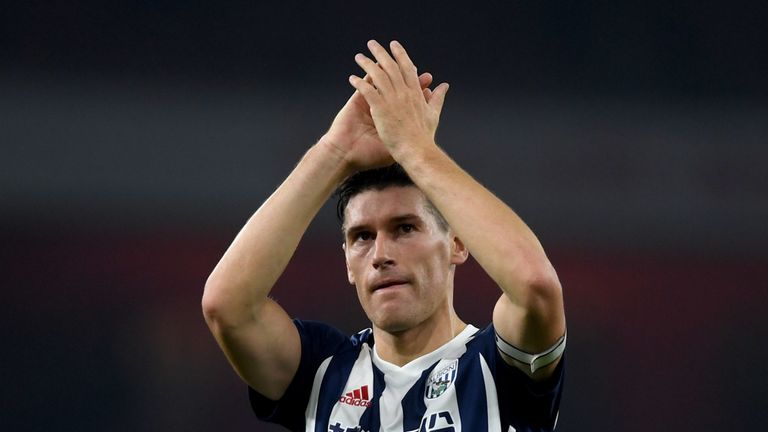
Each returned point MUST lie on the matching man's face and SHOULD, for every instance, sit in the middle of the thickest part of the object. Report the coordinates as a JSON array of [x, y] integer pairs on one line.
[[399, 259]]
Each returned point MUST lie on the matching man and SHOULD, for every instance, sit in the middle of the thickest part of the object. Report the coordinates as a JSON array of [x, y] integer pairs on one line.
[[406, 228]]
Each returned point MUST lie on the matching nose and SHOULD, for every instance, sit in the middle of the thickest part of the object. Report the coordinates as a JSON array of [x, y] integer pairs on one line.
[[382, 253]]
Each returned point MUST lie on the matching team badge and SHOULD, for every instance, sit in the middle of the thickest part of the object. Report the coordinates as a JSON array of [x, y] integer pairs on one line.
[[441, 380]]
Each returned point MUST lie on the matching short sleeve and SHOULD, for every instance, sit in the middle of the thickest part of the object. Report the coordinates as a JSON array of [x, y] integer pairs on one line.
[[526, 404], [535, 404], [318, 342]]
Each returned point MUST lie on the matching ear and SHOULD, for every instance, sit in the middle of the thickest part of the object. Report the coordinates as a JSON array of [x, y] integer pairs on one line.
[[346, 262], [459, 252]]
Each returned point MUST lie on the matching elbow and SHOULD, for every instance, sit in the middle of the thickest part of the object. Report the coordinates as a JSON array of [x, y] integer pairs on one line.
[[542, 289], [212, 304], [543, 281], [220, 308], [226, 306]]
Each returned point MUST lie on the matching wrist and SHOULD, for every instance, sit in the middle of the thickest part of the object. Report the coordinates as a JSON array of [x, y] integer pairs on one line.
[[328, 148], [414, 150]]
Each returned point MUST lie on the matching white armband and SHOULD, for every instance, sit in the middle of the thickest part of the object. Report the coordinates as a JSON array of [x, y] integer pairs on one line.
[[535, 361]]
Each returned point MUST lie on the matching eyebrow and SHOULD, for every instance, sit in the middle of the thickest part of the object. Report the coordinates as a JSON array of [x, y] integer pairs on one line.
[[394, 220]]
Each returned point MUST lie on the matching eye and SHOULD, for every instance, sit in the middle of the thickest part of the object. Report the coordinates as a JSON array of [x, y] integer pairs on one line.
[[406, 228], [362, 236]]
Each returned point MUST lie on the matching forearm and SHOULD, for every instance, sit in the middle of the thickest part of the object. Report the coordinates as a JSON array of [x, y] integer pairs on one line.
[[254, 261], [498, 239]]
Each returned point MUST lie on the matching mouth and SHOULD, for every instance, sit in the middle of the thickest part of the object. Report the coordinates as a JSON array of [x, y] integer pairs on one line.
[[388, 283]]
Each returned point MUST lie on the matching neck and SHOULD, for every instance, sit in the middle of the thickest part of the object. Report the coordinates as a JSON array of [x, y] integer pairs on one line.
[[402, 347]]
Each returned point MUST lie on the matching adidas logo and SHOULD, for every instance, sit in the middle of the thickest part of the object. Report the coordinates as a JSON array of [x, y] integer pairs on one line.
[[357, 397]]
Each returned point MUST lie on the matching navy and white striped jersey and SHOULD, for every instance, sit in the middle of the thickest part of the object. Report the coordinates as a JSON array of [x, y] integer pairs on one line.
[[342, 385]]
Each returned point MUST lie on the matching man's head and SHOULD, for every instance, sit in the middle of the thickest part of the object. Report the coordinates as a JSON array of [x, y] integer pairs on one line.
[[400, 252]]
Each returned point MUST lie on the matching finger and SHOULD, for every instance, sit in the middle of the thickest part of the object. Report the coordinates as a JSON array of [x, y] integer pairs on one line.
[[386, 62], [366, 89], [425, 80], [378, 76], [438, 97], [427, 94], [407, 68]]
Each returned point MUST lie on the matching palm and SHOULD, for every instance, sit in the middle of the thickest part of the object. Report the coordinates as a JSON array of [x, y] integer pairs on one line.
[[355, 134]]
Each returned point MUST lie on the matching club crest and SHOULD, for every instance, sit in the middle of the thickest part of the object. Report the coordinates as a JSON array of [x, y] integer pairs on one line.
[[440, 380]]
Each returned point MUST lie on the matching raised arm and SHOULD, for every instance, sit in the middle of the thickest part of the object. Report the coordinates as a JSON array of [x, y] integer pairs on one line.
[[256, 334], [529, 314]]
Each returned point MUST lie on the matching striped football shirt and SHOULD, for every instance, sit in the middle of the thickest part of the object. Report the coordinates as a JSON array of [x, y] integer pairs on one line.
[[342, 385]]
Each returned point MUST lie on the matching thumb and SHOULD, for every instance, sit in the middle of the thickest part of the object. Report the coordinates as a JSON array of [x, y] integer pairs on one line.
[[438, 97]]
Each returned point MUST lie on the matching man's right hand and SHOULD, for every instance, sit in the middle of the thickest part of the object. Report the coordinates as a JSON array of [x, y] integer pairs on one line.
[[353, 135]]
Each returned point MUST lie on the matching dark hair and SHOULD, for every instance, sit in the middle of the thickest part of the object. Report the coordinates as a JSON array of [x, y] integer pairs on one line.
[[378, 179]]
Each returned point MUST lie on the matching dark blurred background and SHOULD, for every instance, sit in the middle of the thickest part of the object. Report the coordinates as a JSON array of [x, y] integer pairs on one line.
[[136, 137]]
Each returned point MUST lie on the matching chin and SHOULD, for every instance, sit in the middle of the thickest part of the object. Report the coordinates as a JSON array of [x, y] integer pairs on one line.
[[394, 323]]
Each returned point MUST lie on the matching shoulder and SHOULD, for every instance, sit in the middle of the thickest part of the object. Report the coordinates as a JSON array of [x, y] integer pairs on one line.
[[483, 341], [521, 399], [325, 340], [320, 343]]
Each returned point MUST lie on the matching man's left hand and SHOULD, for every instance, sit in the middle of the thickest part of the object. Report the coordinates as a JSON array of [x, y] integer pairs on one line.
[[405, 116]]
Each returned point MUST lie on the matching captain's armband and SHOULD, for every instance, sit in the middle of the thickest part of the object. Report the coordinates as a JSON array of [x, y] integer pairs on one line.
[[535, 361]]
